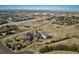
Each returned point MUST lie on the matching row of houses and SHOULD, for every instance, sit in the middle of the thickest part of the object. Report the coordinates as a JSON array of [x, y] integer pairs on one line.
[[14, 18]]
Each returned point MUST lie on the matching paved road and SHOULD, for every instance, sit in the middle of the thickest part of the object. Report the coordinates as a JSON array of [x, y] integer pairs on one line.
[[16, 23]]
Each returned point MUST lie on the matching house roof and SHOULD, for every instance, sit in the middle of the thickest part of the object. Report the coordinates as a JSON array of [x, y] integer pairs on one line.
[[4, 29]]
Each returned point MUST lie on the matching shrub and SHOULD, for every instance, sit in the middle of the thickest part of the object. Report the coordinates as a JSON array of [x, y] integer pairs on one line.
[[58, 47]]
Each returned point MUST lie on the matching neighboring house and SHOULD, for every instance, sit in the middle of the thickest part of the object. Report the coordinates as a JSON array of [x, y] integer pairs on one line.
[[3, 22], [45, 36], [4, 29]]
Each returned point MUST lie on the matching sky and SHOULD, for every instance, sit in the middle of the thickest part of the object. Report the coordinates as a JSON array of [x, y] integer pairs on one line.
[[41, 7]]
